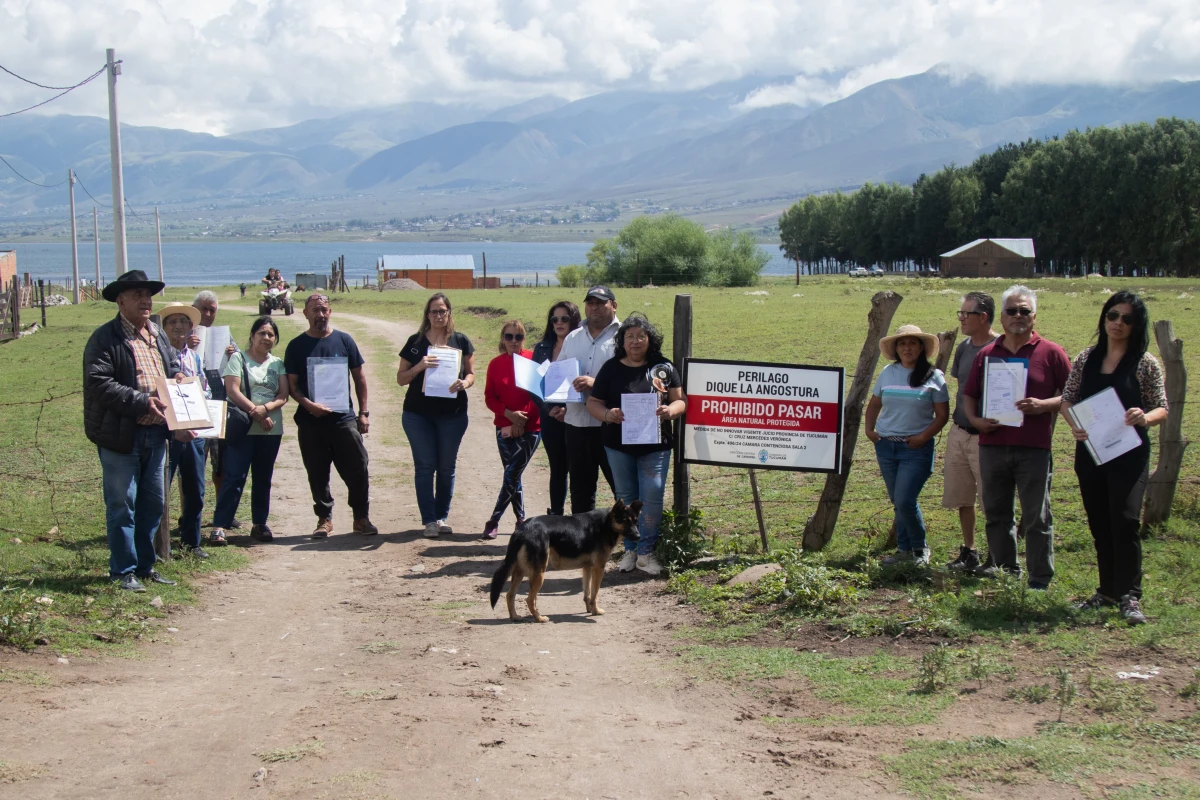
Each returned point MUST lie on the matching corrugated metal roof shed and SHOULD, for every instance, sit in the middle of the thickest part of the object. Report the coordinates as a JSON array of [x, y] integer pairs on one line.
[[431, 261], [1022, 247]]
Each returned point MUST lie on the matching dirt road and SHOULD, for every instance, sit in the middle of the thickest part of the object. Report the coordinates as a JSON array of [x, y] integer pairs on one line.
[[376, 665]]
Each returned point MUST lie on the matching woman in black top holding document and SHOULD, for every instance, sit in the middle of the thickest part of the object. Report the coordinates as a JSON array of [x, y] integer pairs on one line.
[[636, 395], [437, 365], [1116, 373]]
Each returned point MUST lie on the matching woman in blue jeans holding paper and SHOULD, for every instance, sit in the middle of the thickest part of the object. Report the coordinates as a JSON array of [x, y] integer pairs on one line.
[[256, 382], [639, 447], [909, 407], [435, 424]]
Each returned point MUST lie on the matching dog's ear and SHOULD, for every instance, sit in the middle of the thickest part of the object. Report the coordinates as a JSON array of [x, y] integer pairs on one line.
[[619, 506], [635, 508]]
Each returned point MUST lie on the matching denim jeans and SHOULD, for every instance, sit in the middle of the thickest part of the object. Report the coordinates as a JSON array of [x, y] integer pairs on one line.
[[254, 456], [554, 442], [515, 454], [434, 439], [188, 459], [133, 500], [642, 478], [905, 471]]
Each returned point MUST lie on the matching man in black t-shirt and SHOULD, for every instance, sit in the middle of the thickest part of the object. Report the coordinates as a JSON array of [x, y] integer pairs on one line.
[[325, 436]]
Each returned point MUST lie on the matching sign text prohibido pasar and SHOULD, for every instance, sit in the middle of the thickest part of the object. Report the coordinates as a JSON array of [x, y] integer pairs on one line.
[[763, 416]]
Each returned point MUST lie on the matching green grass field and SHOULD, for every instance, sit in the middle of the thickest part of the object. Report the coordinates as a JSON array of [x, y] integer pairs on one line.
[[49, 479]]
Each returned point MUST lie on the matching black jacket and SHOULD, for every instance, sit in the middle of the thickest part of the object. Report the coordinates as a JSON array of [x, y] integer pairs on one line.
[[112, 403]]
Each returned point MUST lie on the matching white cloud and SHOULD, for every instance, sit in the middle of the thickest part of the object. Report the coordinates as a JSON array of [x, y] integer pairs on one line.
[[224, 65]]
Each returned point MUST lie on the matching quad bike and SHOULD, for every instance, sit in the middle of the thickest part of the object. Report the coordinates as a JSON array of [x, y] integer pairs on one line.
[[275, 299]]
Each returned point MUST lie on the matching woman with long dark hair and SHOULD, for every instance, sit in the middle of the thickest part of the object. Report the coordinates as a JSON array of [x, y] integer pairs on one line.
[[435, 425], [263, 397], [639, 470], [909, 406], [1112, 492], [563, 318]]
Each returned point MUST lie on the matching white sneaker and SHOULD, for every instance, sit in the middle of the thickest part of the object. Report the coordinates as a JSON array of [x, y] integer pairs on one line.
[[628, 561], [649, 564], [431, 530], [442, 527]]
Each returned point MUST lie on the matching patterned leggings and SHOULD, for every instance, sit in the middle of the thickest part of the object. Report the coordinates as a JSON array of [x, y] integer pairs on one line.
[[515, 454]]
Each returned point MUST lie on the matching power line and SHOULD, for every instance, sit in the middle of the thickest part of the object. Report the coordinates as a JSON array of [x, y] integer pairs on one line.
[[84, 82], [34, 83], [22, 177], [89, 194]]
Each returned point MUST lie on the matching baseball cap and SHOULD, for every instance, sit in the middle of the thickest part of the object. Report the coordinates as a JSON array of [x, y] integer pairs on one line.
[[601, 293]]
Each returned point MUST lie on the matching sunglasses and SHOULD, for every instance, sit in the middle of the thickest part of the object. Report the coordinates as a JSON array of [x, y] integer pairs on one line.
[[1024, 312], [962, 315], [556, 320], [1113, 316], [514, 337], [438, 312]]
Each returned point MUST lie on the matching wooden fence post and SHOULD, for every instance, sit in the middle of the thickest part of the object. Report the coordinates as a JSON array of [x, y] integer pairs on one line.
[[681, 345], [42, 296], [1160, 491], [819, 529]]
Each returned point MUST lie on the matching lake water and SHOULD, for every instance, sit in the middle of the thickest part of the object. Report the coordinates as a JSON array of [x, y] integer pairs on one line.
[[217, 263]]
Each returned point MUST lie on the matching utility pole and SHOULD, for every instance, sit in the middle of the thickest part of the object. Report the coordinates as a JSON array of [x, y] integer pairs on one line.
[[158, 237], [96, 242], [74, 240], [118, 178]]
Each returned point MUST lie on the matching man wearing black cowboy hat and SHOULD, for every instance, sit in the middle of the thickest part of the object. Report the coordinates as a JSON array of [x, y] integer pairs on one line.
[[124, 418]]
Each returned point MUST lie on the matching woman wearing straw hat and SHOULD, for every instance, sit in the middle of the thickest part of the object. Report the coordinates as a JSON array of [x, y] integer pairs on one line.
[[909, 406], [186, 452]]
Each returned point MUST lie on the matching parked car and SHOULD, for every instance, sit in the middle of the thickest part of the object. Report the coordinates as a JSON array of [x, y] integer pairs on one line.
[[875, 271], [858, 272]]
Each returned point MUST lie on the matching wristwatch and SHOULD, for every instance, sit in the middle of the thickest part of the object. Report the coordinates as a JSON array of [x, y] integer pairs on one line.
[[364, 413]]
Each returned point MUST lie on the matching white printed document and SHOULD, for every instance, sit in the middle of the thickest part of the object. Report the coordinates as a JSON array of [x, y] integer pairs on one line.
[[559, 378], [439, 379], [213, 344], [641, 423], [528, 375], [1103, 417], [217, 413], [329, 382], [1003, 386]]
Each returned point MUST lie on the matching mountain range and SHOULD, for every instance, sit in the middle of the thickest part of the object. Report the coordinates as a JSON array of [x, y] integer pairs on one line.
[[611, 145]]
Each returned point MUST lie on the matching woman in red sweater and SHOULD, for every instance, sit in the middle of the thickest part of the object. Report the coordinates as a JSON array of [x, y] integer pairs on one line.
[[518, 429]]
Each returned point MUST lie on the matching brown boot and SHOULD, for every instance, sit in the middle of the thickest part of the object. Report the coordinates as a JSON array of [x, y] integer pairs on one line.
[[324, 528], [363, 525]]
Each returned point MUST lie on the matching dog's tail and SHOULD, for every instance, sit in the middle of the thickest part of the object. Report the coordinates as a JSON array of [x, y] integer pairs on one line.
[[505, 569]]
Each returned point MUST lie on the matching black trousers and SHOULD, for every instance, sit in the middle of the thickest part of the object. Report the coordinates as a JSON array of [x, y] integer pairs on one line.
[[1112, 499], [586, 459], [341, 445], [554, 441]]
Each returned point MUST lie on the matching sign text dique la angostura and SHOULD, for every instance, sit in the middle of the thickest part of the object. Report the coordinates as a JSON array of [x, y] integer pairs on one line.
[[765, 416]]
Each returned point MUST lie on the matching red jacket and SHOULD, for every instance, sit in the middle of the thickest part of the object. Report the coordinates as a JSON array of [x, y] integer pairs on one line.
[[501, 393]]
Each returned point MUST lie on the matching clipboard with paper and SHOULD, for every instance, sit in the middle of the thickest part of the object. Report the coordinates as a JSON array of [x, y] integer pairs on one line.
[[187, 407], [1003, 385], [551, 381], [1103, 417]]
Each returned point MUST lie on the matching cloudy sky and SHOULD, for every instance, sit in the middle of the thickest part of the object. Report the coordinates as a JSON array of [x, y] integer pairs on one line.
[[228, 65]]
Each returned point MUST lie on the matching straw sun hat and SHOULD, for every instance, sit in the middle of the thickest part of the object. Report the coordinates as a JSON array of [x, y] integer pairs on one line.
[[171, 309], [887, 345]]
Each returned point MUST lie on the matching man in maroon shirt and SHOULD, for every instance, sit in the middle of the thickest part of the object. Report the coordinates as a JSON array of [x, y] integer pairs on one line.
[[1018, 458]]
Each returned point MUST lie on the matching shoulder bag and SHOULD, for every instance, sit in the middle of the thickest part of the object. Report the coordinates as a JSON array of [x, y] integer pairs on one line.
[[237, 421]]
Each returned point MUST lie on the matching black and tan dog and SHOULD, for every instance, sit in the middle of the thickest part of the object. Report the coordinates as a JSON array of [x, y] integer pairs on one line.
[[580, 541]]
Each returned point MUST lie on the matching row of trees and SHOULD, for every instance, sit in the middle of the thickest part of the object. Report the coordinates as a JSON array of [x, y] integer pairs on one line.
[[1109, 200], [669, 249]]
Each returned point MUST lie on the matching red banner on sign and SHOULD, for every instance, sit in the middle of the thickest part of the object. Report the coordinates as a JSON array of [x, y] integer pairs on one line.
[[783, 415]]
